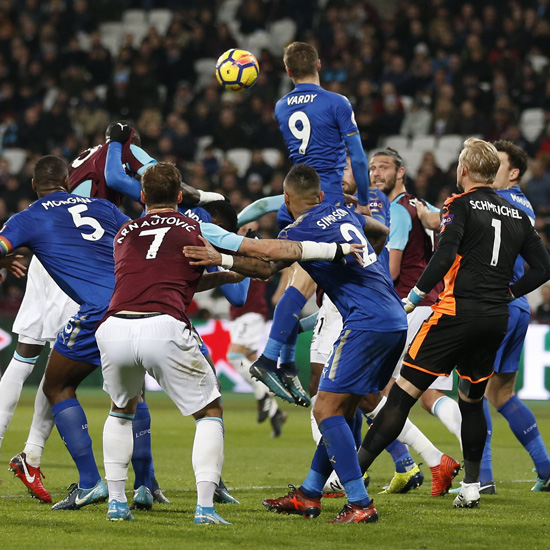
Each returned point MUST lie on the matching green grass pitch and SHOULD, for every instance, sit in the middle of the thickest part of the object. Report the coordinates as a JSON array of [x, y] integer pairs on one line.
[[256, 467]]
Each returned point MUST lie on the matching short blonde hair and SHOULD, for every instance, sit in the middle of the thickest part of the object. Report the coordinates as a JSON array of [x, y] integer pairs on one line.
[[481, 159]]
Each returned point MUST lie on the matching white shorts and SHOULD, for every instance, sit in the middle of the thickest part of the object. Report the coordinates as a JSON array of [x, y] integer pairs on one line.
[[248, 330], [415, 320], [45, 307], [326, 331], [165, 348]]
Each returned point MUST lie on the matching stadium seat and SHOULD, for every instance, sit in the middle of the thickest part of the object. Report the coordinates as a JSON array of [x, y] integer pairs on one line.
[[531, 123], [138, 31], [451, 142], [112, 43], [160, 19], [241, 158], [202, 143], [412, 159], [396, 142], [205, 69], [272, 156], [281, 33], [256, 42], [227, 12], [134, 17], [423, 143], [16, 158], [445, 157]]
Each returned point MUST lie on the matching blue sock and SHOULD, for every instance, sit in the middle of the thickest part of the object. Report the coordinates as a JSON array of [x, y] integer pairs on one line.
[[142, 458], [320, 470], [342, 454], [356, 425], [486, 472], [288, 352], [401, 457], [72, 425], [285, 320], [524, 425]]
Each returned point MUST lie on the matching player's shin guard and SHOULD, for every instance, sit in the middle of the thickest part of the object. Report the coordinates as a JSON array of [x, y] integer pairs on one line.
[[474, 433], [285, 319], [411, 435], [11, 385], [242, 365], [340, 446], [387, 426], [142, 458], [118, 444], [41, 427], [524, 425], [207, 458], [72, 425], [316, 434], [448, 411]]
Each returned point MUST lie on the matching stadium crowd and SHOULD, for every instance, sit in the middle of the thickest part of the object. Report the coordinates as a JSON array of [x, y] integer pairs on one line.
[[433, 68]]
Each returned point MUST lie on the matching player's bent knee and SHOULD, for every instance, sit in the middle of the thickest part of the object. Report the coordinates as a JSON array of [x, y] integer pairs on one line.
[[213, 409], [471, 392]]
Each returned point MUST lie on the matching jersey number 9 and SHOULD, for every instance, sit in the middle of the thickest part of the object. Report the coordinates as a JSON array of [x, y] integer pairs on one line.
[[302, 134]]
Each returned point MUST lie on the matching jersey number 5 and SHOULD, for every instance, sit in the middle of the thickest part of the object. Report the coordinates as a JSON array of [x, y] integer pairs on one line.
[[302, 134], [79, 221], [159, 235]]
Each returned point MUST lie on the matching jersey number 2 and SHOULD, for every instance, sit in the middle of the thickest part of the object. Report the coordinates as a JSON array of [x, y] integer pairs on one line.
[[302, 134], [347, 230], [159, 235]]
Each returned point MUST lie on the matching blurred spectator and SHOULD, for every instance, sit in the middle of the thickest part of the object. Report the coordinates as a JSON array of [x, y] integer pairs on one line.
[[538, 188], [542, 313]]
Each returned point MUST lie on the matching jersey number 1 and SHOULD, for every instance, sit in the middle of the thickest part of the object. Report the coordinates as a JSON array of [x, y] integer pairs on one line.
[[497, 224]]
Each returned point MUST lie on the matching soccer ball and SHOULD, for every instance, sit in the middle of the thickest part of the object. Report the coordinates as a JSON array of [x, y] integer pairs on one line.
[[237, 70]]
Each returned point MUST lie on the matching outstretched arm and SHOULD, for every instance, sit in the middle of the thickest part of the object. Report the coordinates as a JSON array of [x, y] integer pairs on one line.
[[218, 278], [207, 255]]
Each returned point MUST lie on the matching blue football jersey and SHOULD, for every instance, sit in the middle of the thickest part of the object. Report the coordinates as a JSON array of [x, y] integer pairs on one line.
[[379, 205], [514, 195], [195, 213], [364, 295], [314, 122], [73, 239]]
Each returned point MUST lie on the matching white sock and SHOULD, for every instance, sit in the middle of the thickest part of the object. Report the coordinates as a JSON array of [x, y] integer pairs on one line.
[[315, 432], [242, 365], [118, 446], [41, 427], [207, 458], [413, 437], [11, 385], [448, 411]]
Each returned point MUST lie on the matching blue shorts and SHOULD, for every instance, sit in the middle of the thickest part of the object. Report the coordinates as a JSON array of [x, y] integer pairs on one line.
[[509, 353], [362, 362], [76, 340], [283, 215]]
